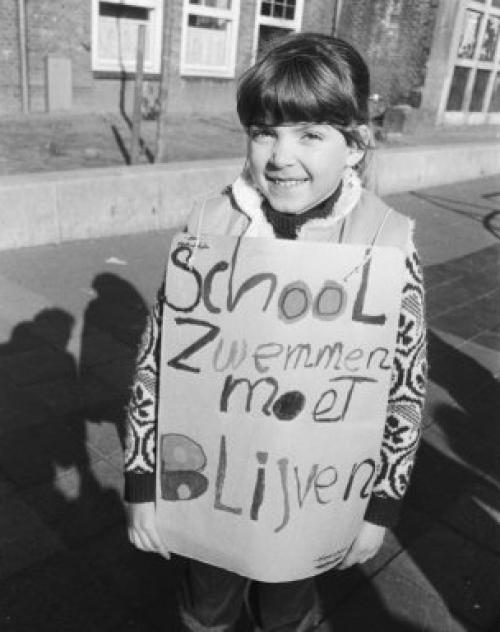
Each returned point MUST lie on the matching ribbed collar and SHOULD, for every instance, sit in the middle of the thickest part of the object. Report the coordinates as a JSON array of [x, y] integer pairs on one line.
[[287, 225]]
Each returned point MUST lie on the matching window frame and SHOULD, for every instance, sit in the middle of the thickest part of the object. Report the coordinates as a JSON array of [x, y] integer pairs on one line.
[[294, 25], [474, 64], [232, 16], [152, 64]]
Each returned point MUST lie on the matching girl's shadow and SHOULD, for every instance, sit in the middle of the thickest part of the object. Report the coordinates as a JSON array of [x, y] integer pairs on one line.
[[113, 324]]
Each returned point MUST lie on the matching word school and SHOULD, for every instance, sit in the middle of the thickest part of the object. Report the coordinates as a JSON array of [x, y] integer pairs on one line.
[[295, 299]]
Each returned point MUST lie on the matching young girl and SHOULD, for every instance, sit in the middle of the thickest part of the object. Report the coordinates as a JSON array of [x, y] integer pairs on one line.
[[304, 106]]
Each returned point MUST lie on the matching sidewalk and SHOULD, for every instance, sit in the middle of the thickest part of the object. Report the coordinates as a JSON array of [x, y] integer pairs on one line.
[[42, 142], [70, 318]]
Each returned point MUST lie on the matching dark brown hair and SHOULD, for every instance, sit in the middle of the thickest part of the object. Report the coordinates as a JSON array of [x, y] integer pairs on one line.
[[307, 77]]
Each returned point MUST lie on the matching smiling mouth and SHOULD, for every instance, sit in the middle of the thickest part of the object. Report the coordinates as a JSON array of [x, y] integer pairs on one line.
[[286, 183]]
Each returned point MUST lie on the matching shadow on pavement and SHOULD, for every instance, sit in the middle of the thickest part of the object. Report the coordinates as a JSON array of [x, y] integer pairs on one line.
[[65, 563], [113, 324]]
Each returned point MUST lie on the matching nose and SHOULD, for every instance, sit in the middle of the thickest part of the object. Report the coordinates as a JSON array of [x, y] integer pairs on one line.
[[282, 153]]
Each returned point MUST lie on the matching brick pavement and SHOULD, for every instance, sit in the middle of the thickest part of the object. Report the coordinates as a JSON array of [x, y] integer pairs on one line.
[[69, 320]]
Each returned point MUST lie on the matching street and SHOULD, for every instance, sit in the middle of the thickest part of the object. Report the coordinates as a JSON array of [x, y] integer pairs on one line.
[[71, 319]]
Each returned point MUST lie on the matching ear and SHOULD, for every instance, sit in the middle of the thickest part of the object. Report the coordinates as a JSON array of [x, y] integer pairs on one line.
[[356, 154]]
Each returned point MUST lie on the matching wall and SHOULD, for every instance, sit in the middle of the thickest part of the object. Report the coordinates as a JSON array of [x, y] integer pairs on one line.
[[395, 38], [10, 93], [62, 27], [439, 68], [192, 94], [46, 208]]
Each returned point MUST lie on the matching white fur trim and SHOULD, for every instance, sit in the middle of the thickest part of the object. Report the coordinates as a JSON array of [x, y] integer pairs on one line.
[[249, 199]]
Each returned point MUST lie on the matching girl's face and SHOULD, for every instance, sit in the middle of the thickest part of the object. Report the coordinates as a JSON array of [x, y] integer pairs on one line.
[[296, 166]]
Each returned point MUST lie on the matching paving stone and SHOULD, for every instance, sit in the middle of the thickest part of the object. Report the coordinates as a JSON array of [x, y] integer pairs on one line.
[[6, 327], [466, 321], [29, 455], [397, 601], [60, 396], [451, 437], [336, 587], [7, 488], [476, 515], [108, 476], [41, 364], [136, 622], [485, 349], [476, 272], [104, 438], [481, 281], [99, 347], [464, 574], [24, 538], [436, 397], [96, 393], [116, 459], [146, 582], [17, 338], [438, 481], [18, 409], [76, 506], [60, 595], [439, 275], [118, 374], [477, 409], [455, 369], [445, 297], [489, 339]]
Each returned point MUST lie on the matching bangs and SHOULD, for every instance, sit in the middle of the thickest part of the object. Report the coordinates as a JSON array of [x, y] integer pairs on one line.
[[294, 91]]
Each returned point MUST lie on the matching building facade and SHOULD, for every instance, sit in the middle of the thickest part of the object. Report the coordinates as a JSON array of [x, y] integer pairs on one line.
[[439, 57], [208, 44], [442, 57]]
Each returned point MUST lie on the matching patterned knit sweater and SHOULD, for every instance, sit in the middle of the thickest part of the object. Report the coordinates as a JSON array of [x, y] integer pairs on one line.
[[404, 412]]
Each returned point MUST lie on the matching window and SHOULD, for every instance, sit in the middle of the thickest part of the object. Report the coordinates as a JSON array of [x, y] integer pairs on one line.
[[114, 34], [472, 94], [209, 36], [457, 90], [468, 39], [274, 19], [495, 97]]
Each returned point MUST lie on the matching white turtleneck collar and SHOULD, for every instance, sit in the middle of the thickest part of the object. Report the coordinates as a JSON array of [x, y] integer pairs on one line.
[[249, 199]]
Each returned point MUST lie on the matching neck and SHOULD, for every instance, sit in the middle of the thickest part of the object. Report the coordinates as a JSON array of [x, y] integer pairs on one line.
[[287, 225]]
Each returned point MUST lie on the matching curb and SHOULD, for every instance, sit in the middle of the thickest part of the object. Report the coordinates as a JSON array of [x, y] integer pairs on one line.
[[52, 208]]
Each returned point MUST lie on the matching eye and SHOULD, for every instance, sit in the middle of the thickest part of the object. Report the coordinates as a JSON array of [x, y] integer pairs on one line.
[[260, 133], [312, 135]]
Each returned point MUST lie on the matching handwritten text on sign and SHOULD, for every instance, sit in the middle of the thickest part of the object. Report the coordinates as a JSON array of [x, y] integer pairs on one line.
[[275, 370]]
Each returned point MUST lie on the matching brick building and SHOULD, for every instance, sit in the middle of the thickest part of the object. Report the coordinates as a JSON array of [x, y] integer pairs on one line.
[[210, 42], [439, 56]]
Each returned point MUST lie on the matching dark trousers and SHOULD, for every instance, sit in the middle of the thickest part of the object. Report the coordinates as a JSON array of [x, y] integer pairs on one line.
[[212, 600]]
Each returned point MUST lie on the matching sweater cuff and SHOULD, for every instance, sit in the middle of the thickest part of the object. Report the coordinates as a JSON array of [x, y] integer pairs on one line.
[[383, 511], [140, 488]]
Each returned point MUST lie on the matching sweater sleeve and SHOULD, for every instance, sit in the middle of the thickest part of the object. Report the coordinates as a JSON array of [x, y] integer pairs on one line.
[[406, 400], [141, 417]]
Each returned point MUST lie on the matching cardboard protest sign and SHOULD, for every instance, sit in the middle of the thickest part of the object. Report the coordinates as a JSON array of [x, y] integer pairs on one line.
[[275, 371]]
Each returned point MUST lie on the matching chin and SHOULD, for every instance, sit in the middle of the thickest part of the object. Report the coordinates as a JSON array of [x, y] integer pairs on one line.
[[296, 207], [284, 207]]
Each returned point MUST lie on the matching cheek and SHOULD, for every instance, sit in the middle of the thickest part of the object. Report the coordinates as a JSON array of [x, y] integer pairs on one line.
[[333, 162], [257, 158]]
